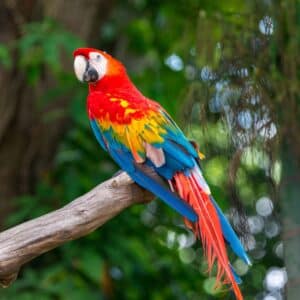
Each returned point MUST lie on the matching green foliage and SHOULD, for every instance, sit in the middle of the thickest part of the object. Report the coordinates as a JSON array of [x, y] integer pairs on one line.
[[5, 58], [41, 45]]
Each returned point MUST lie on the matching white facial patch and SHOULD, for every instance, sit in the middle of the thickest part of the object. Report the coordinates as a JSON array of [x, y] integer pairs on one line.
[[80, 63], [99, 62]]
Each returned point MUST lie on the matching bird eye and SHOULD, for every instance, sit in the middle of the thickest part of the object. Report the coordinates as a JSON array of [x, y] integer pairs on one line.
[[98, 57]]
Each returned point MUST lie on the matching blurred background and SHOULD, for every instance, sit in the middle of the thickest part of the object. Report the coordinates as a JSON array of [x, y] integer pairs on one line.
[[227, 71]]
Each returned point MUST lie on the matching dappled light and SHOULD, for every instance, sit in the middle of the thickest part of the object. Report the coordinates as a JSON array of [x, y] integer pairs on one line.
[[174, 62]]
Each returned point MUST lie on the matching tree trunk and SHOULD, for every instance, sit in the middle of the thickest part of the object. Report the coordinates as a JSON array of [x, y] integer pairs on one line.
[[27, 143], [289, 113], [290, 208]]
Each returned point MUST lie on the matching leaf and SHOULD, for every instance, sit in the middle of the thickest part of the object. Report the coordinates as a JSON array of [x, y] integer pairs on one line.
[[5, 58], [91, 265]]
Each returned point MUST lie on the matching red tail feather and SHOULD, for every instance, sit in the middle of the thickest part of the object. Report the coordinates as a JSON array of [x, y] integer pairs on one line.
[[208, 227]]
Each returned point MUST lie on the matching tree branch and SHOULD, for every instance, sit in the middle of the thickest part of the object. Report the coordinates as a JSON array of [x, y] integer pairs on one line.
[[28, 240]]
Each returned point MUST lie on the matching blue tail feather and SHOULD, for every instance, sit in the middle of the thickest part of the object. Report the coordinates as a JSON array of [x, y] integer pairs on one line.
[[236, 276], [231, 236]]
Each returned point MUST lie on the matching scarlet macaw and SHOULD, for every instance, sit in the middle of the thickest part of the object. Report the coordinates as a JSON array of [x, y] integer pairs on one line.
[[135, 130]]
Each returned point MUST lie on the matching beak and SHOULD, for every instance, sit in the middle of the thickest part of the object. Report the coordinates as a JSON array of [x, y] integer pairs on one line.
[[84, 71], [90, 74]]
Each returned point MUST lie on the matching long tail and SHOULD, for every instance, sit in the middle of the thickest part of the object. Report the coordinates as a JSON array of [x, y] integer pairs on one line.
[[194, 190]]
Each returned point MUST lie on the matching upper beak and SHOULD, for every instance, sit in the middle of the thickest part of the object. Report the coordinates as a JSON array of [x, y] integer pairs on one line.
[[84, 71]]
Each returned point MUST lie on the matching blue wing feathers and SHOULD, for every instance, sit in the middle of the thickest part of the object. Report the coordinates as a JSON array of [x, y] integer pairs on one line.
[[125, 159], [184, 158], [179, 138], [171, 166]]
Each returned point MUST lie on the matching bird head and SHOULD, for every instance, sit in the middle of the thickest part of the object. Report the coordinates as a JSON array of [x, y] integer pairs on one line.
[[91, 65]]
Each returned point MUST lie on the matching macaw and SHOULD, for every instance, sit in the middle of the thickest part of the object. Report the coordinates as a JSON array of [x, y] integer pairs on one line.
[[137, 131]]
